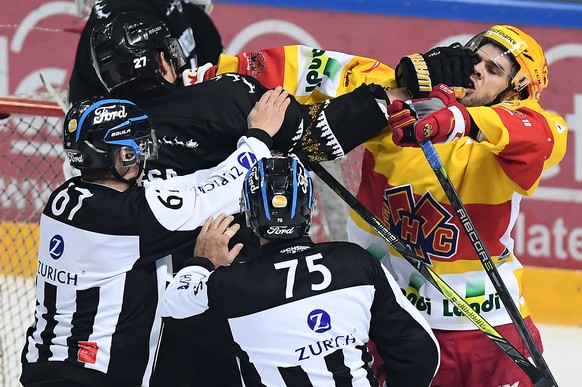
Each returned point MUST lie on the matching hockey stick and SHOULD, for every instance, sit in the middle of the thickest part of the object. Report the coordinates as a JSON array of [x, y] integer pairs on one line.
[[68, 170], [437, 166], [537, 378], [53, 93]]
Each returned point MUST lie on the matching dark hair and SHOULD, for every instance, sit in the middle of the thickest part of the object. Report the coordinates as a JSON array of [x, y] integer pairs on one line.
[[514, 68]]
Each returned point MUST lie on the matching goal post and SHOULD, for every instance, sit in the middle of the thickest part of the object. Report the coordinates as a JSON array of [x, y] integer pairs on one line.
[[22, 106]]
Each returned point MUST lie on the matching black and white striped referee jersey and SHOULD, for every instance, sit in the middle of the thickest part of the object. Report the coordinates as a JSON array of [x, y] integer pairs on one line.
[[104, 260], [301, 314]]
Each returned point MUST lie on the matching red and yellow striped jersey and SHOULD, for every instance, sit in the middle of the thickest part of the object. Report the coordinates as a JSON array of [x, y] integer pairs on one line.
[[310, 74], [490, 176]]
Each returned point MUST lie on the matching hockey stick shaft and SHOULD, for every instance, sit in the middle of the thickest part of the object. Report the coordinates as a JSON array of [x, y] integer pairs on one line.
[[530, 370], [53, 93], [437, 166]]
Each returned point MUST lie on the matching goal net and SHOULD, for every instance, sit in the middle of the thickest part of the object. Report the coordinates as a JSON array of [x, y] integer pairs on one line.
[[31, 159]]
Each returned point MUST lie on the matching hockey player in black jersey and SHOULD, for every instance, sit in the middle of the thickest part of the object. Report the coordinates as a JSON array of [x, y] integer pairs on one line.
[[199, 125], [186, 21], [106, 243], [300, 314]]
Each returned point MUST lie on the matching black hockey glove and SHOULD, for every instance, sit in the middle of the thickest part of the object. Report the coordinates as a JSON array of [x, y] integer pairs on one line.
[[451, 65]]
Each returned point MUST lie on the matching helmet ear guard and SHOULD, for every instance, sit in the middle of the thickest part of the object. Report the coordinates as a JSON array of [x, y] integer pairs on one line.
[[277, 198], [532, 74]]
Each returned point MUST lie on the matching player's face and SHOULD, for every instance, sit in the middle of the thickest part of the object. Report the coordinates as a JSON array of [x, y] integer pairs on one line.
[[168, 71], [490, 76]]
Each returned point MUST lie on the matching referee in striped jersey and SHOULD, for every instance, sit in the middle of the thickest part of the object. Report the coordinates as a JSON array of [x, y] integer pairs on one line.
[[299, 314], [107, 244]]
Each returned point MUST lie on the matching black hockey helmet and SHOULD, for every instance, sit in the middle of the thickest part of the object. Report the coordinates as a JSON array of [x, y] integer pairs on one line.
[[95, 127], [277, 198], [125, 50]]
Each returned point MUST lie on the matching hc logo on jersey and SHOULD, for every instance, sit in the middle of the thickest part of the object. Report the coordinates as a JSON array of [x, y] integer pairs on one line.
[[319, 321], [423, 223], [247, 159], [56, 247]]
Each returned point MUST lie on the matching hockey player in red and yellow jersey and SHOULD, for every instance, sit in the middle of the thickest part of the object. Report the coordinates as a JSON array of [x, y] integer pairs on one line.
[[494, 142], [497, 141]]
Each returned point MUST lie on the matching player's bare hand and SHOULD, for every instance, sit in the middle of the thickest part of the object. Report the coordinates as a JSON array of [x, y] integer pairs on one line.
[[212, 242], [269, 111]]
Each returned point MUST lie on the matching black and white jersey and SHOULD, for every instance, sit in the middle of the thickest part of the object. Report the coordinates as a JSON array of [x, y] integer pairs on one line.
[[104, 261], [301, 314], [193, 28], [198, 126]]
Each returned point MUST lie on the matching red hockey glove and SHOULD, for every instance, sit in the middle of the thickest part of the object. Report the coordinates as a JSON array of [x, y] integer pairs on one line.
[[402, 120], [443, 125], [199, 74]]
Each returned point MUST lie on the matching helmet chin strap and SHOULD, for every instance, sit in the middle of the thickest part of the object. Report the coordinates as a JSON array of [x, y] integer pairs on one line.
[[131, 181], [501, 96], [129, 161]]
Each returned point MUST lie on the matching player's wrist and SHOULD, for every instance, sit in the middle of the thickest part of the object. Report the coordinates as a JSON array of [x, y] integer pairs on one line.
[[261, 135], [200, 261]]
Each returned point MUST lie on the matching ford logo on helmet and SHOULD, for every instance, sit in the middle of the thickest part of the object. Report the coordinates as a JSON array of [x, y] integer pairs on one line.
[[280, 230], [75, 157], [107, 113]]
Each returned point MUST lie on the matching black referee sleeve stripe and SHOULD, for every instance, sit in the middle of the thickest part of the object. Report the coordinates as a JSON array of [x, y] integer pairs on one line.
[[294, 376], [336, 364], [87, 302], [48, 334], [367, 359]]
